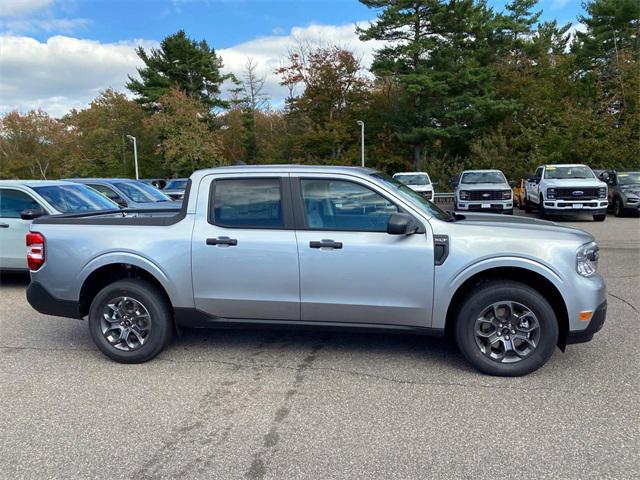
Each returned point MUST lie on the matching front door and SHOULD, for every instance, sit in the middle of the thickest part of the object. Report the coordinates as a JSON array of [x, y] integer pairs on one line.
[[244, 252], [351, 270], [13, 230]]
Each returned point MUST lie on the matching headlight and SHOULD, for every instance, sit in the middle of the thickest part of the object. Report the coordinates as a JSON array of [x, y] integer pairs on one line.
[[551, 193], [464, 195], [602, 192], [587, 259], [506, 195]]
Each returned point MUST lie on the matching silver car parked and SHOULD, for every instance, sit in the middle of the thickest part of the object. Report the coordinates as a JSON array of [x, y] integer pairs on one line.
[[324, 247]]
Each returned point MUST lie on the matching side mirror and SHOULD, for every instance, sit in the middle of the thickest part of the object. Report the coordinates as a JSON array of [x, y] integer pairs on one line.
[[122, 203], [401, 224], [605, 176], [32, 213]]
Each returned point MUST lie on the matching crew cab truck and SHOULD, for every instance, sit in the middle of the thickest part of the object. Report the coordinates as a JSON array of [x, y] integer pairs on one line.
[[483, 190], [569, 189], [305, 246]]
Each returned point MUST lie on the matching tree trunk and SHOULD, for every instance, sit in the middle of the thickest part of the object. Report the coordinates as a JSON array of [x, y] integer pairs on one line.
[[417, 156]]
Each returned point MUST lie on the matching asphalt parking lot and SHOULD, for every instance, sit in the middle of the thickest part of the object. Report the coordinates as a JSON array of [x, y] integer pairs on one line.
[[273, 404]]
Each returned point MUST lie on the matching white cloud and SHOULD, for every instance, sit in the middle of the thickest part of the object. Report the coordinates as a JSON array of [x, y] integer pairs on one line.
[[66, 72], [11, 8], [62, 73], [57, 25]]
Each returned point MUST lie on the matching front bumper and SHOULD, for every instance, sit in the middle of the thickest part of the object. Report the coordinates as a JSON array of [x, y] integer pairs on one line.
[[496, 206], [40, 299], [570, 207], [595, 325]]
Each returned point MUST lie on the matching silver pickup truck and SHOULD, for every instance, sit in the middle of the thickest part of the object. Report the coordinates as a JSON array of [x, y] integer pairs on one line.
[[319, 247]]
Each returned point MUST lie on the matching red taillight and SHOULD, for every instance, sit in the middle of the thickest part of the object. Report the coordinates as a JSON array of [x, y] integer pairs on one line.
[[35, 250]]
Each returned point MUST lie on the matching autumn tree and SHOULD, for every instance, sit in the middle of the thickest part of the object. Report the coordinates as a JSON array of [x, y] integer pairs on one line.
[[98, 144], [31, 145], [187, 141], [333, 93]]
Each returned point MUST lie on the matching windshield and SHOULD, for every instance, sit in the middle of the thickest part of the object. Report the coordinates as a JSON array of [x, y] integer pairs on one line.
[[413, 179], [629, 178], [176, 185], [483, 177], [142, 193], [75, 198], [414, 198], [580, 171]]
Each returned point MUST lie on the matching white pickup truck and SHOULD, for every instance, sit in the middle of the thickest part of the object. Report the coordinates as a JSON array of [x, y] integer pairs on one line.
[[566, 190]]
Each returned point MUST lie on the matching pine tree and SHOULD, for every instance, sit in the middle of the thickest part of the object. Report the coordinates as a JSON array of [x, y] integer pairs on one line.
[[441, 54], [180, 62]]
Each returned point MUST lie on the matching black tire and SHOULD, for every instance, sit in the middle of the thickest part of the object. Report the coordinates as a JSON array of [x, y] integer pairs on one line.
[[527, 206], [161, 321], [541, 210], [618, 210], [600, 218], [498, 291]]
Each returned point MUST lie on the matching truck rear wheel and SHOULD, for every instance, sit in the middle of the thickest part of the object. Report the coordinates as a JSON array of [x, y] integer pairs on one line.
[[527, 206], [506, 328], [130, 321]]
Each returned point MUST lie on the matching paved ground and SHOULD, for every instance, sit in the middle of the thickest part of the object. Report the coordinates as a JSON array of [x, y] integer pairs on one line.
[[279, 405]]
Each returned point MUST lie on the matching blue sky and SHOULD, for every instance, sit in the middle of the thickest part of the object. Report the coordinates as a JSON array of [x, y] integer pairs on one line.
[[223, 23], [59, 54]]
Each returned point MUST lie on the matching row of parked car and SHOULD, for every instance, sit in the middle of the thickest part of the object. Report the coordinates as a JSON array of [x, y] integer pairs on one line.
[[566, 189], [24, 200]]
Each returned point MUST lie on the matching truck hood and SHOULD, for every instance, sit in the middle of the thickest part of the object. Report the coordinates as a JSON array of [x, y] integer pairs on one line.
[[522, 224], [574, 182], [484, 186], [421, 188]]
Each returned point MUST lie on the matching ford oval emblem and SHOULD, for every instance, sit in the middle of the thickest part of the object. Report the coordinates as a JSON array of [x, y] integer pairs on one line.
[[577, 193]]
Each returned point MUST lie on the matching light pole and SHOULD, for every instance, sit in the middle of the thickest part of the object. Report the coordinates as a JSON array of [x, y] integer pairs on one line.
[[135, 154], [361, 123]]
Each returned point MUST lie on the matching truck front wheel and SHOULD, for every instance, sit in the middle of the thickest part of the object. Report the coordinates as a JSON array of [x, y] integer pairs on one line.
[[506, 328], [130, 321], [600, 218]]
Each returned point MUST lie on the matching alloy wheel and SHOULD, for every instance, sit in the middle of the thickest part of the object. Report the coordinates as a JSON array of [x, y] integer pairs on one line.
[[125, 323], [507, 332]]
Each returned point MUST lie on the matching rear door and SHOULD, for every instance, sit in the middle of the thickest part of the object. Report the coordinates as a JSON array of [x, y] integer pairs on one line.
[[351, 270], [244, 252], [13, 230]]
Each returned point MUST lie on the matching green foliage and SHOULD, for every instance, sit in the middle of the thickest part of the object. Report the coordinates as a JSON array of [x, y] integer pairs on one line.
[[183, 63], [454, 85]]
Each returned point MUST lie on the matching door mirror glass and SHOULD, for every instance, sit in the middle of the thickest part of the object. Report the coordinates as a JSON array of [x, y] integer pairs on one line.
[[401, 224], [32, 213]]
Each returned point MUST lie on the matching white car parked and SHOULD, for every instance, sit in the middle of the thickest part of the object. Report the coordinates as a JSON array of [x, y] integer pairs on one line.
[[418, 182], [23, 200]]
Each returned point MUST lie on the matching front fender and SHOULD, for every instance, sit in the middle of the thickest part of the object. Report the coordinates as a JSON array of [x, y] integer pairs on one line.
[[446, 288]]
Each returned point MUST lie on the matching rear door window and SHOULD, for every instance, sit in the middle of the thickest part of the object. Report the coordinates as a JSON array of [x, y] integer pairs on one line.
[[14, 202], [247, 203]]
